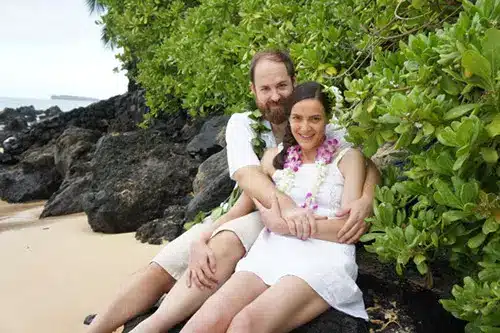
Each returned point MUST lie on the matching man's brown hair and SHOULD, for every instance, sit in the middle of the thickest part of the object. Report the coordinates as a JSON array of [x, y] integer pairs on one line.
[[273, 55]]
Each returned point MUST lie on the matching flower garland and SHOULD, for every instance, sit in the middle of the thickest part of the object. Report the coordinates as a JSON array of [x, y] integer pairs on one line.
[[258, 143], [293, 163]]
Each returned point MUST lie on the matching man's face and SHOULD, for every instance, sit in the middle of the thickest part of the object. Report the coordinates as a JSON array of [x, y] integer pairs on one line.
[[272, 86]]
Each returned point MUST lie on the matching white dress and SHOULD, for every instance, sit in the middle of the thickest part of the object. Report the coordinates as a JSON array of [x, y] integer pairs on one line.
[[329, 268]]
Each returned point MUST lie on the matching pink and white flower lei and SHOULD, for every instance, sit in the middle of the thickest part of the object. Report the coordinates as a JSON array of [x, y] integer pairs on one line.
[[293, 163]]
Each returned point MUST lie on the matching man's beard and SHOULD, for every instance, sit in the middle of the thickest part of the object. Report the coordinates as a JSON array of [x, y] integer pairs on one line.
[[273, 112]]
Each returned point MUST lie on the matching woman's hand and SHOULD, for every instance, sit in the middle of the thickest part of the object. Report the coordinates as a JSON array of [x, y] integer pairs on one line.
[[355, 225], [201, 267], [299, 222]]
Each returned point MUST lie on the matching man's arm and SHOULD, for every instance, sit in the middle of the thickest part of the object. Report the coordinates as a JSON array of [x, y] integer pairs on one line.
[[372, 180], [360, 209], [243, 206], [253, 181]]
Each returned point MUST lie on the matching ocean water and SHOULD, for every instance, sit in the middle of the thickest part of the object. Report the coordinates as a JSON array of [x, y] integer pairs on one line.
[[41, 104]]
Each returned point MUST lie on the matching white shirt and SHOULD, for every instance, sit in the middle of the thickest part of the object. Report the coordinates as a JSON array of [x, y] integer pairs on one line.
[[239, 137]]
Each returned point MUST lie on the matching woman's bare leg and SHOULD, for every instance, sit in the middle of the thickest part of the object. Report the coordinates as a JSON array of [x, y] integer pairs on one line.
[[283, 307], [218, 311]]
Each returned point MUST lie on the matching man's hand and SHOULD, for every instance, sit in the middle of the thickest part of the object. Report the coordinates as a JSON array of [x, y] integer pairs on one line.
[[201, 268], [271, 217], [355, 225]]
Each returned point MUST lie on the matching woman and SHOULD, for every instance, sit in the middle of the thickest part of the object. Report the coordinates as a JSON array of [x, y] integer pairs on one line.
[[284, 281]]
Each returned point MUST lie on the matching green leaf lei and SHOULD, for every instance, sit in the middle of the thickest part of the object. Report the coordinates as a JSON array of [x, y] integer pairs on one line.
[[259, 146]]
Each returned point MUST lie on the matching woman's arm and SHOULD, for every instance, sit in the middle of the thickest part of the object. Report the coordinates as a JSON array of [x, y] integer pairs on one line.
[[352, 166]]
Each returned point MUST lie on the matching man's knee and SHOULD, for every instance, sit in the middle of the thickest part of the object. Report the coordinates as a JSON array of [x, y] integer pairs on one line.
[[227, 245]]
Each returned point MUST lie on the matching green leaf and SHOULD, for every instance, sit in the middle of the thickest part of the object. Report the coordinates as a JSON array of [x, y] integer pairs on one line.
[[490, 225], [489, 155], [368, 237], [422, 268], [331, 71], [417, 4], [460, 161], [435, 239], [216, 213], [446, 194], [450, 86], [399, 269], [468, 192], [428, 129], [371, 105], [493, 128], [399, 103], [404, 140], [476, 241], [410, 233], [453, 215], [419, 258], [403, 127], [389, 119], [447, 137], [444, 163], [459, 111], [491, 48], [475, 63]]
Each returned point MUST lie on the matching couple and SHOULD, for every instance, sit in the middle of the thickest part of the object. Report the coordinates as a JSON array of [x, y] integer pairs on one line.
[[298, 266]]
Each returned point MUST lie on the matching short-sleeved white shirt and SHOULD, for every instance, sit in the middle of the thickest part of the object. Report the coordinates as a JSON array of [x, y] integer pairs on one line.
[[239, 135]]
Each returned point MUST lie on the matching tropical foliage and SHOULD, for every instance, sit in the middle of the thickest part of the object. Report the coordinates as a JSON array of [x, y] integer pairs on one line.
[[421, 75]]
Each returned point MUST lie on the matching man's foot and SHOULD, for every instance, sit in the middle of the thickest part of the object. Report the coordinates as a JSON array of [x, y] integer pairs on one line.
[[88, 320]]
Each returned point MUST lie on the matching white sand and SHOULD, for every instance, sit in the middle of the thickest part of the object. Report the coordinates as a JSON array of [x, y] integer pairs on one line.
[[55, 271]]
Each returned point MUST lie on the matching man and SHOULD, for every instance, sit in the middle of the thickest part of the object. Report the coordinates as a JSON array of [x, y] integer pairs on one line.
[[213, 249]]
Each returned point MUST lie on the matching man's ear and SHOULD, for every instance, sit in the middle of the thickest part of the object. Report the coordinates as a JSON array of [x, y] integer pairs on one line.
[[293, 81], [252, 88]]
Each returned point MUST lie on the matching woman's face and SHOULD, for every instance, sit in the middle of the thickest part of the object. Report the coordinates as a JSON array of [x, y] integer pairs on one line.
[[308, 121]]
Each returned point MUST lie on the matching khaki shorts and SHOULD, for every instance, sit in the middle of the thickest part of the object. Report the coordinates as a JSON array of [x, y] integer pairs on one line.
[[174, 256]]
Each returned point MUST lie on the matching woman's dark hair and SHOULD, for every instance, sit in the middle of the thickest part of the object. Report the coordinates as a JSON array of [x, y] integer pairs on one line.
[[306, 90]]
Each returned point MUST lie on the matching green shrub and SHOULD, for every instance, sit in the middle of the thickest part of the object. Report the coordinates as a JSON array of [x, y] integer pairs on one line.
[[438, 99], [200, 53]]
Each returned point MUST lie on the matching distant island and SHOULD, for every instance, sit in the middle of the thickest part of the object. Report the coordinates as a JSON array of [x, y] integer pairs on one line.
[[74, 98]]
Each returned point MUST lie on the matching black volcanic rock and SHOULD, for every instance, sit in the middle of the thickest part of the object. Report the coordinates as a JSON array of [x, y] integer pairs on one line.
[[50, 112], [68, 197], [28, 113], [97, 116], [33, 178], [74, 146], [211, 186], [73, 151], [166, 228], [210, 139], [135, 176], [16, 124]]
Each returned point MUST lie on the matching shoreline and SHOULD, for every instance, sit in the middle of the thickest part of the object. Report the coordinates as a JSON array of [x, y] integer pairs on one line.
[[56, 271]]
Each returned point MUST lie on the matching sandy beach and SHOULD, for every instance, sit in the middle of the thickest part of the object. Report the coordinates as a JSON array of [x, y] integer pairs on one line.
[[55, 271]]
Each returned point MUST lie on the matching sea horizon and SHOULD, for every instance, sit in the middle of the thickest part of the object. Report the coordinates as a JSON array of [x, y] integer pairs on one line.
[[42, 104]]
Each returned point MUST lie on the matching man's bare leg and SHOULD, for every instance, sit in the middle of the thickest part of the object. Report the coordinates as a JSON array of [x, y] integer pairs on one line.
[[181, 301], [142, 292]]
